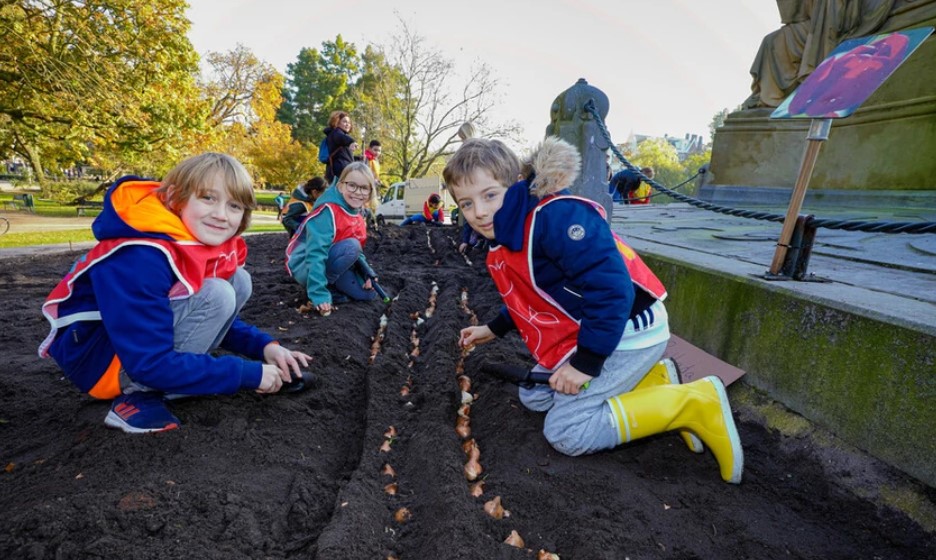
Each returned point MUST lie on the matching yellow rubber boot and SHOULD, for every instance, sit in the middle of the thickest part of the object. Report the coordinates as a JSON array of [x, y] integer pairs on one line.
[[666, 372], [701, 406]]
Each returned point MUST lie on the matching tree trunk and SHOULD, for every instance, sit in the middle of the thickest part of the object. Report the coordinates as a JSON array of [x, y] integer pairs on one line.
[[35, 161]]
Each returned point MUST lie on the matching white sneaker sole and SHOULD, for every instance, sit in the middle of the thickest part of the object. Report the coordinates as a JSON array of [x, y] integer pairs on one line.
[[112, 420]]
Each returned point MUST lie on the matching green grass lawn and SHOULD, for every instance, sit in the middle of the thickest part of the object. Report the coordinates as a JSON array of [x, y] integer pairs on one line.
[[83, 233]]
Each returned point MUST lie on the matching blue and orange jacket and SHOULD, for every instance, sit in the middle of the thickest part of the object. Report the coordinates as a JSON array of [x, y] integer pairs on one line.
[[112, 312]]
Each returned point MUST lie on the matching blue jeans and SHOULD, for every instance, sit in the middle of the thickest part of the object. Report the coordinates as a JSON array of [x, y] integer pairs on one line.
[[414, 219], [580, 424], [340, 270], [200, 322]]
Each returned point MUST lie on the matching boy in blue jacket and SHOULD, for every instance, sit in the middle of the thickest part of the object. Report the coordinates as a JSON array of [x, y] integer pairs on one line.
[[135, 318], [587, 307]]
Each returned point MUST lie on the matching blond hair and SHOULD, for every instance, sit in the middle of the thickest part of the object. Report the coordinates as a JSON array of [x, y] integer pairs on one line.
[[492, 156], [363, 168], [191, 177]]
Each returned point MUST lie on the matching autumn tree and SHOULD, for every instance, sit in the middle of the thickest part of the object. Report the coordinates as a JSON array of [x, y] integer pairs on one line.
[[662, 157], [108, 76], [245, 94], [690, 166], [276, 158], [377, 99]]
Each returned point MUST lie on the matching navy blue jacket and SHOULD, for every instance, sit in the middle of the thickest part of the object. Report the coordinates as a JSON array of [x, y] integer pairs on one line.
[[339, 151], [586, 277]]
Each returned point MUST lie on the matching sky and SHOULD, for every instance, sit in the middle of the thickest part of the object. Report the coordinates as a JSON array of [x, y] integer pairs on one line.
[[667, 66]]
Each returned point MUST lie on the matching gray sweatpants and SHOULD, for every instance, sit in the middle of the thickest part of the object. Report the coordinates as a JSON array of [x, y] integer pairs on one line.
[[201, 321], [580, 424]]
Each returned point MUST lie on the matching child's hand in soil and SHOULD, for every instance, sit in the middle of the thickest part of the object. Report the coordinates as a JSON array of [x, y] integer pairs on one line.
[[285, 360], [271, 380], [475, 335]]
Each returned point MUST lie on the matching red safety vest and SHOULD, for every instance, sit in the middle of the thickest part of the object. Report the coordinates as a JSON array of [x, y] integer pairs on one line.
[[346, 225], [548, 331]]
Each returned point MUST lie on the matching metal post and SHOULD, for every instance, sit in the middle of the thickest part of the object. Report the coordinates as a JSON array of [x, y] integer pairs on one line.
[[818, 133]]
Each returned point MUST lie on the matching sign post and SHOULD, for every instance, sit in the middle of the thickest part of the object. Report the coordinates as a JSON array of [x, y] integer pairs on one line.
[[835, 89]]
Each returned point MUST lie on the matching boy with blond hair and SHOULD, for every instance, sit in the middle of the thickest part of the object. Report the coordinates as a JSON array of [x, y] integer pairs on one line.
[[136, 317]]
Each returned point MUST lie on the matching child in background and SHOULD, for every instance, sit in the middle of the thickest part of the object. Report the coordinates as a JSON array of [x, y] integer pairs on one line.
[[301, 202], [470, 239], [322, 255], [135, 318], [372, 157], [432, 212], [630, 188], [280, 201], [588, 308]]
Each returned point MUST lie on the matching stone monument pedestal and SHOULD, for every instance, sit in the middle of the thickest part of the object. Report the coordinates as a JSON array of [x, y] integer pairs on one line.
[[881, 153]]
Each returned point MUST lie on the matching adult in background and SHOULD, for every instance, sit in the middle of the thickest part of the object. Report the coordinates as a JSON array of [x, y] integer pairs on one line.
[[300, 203], [341, 145], [630, 186]]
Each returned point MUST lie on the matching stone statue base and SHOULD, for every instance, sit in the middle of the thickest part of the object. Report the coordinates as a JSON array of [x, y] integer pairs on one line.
[[887, 145]]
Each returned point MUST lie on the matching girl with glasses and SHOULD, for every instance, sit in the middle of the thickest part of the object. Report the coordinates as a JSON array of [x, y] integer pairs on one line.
[[324, 253]]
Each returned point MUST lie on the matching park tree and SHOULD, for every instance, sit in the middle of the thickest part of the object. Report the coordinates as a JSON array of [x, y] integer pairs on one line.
[[377, 98], [317, 83], [245, 94], [432, 100], [275, 157], [114, 77], [231, 82], [691, 165], [662, 157]]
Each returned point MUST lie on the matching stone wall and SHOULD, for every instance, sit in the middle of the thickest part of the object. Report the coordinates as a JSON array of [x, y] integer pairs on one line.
[[870, 382]]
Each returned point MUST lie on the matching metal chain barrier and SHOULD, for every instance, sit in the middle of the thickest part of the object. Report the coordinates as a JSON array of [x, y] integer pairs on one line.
[[847, 225]]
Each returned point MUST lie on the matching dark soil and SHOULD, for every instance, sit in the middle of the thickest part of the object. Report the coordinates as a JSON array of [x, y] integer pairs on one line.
[[299, 476]]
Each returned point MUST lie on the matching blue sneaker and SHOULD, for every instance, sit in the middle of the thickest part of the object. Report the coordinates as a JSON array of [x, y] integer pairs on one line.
[[140, 413]]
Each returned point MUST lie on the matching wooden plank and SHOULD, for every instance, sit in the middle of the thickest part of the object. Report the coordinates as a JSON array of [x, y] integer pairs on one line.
[[695, 363]]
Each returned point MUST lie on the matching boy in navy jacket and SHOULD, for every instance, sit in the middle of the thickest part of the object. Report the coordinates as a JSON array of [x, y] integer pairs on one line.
[[587, 307]]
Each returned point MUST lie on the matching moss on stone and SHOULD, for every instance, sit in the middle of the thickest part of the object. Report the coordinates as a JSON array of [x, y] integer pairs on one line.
[[858, 376]]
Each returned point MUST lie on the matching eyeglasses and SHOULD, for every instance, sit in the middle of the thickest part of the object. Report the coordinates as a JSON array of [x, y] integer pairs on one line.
[[355, 188]]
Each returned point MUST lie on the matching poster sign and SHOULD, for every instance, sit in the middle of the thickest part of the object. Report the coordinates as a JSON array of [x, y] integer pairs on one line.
[[850, 74]]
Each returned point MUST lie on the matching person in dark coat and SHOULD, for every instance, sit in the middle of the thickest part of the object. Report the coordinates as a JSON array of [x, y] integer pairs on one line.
[[341, 145]]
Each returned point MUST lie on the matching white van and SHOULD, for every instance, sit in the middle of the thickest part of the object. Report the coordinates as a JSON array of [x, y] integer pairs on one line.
[[406, 199]]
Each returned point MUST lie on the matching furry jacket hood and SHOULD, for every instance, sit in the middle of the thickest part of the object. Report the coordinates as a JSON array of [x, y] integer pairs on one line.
[[549, 169]]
